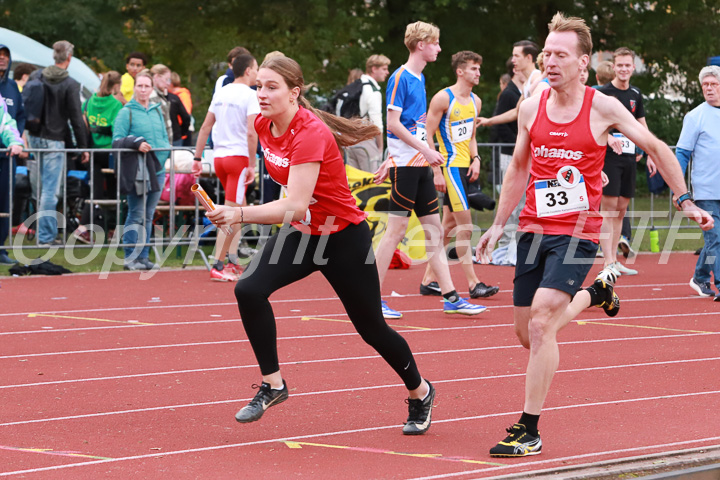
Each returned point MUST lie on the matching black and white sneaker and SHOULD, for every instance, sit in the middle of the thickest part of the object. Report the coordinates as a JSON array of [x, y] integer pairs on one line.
[[519, 443], [702, 288], [264, 399], [482, 290], [419, 413], [431, 288], [605, 282]]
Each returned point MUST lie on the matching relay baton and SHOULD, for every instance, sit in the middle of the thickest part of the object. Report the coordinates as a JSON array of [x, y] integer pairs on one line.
[[209, 205]]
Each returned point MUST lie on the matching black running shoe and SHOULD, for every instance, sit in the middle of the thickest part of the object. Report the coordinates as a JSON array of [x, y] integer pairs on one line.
[[605, 281], [264, 399], [519, 443], [431, 288], [482, 290], [419, 413]]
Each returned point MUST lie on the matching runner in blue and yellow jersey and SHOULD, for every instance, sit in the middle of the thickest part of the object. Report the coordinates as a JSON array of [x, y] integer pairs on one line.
[[451, 117]]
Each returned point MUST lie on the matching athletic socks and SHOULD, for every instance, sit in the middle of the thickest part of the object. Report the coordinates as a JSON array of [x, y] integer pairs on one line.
[[219, 266], [530, 421], [596, 298], [233, 258], [451, 297]]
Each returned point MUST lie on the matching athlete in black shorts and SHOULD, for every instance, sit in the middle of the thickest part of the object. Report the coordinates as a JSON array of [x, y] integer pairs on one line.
[[620, 160]]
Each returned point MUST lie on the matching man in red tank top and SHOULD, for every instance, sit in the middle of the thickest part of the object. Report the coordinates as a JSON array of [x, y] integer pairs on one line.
[[560, 148]]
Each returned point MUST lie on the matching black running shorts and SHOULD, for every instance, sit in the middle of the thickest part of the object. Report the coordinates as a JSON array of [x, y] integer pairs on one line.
[[412, 188], [560, 262], [621, 171]]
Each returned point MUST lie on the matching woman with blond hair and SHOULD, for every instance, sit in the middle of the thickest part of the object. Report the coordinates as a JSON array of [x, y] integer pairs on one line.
[[177, 119], [327, 233]]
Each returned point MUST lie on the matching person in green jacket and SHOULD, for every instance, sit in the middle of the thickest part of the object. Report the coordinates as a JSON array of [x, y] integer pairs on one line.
[[140, 126], [99, 112]]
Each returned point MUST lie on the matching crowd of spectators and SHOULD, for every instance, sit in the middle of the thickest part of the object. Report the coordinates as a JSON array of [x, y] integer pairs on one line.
[[118, 114]]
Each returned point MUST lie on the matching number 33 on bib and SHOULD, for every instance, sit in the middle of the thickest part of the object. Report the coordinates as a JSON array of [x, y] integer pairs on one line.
[[564, 194]]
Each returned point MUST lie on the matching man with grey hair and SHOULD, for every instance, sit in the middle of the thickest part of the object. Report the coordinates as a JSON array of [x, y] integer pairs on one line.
[[700, 139], [61, 104]]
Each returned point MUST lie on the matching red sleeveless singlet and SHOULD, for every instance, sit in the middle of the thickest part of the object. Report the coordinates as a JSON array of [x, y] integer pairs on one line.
[[555, 148]]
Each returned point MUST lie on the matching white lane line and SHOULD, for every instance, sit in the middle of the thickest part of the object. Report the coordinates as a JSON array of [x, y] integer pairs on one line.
[[345, 390], [344, 315], [297, 300], [333, 335], [156, 307], [373, 429], [300, 362]]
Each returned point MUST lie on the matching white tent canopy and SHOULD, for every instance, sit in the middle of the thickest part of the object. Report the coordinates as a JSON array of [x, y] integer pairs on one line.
[[26, 50]]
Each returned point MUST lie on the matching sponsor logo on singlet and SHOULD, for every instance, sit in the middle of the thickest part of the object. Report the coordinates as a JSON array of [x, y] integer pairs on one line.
[[545, 152], [275, 159], [559, 134]]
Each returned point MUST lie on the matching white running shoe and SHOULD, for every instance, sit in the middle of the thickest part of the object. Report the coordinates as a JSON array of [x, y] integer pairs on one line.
[[611, 269], [624, 270]]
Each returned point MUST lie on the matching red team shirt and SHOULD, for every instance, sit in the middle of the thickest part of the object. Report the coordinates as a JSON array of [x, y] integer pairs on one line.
[[557, 145], [308, 139]]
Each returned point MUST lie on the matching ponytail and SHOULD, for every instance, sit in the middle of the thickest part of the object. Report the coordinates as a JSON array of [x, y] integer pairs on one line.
[[347, 131]]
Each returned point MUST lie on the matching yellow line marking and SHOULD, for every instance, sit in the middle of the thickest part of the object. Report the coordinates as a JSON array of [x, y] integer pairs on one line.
[[132, 322], [50, 451], [642, 326], [304, 319], [308, 444], [435, 456]]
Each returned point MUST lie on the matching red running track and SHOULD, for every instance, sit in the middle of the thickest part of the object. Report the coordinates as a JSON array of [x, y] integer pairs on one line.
[[122, 377]]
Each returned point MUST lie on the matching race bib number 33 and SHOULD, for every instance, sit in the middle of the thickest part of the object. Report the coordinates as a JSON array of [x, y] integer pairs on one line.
[[564, 194]]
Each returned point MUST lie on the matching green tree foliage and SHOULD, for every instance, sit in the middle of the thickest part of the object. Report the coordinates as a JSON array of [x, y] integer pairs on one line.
[[97, 28], [329, 37]]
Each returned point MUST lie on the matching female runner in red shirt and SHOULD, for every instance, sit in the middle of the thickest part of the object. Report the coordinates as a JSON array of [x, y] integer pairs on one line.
[[327, 232]]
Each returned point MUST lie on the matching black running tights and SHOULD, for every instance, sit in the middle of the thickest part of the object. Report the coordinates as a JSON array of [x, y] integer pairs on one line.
[[345, 259]]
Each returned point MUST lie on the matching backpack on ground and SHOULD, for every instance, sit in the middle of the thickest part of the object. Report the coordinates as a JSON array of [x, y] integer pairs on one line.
[[346, 102], [33, 96]]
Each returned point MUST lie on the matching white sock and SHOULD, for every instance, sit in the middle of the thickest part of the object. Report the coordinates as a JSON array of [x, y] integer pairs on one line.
[[428, 393]]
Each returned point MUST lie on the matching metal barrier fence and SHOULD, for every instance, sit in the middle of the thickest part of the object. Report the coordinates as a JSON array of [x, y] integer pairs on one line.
[[67, 208], [185, 234]]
